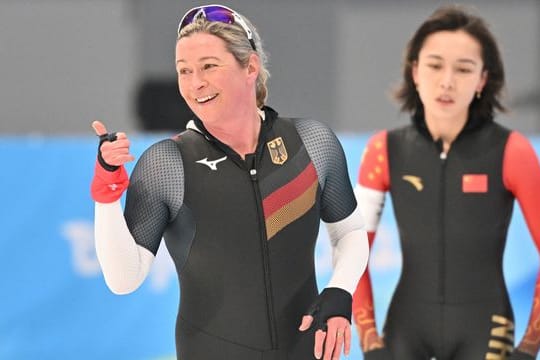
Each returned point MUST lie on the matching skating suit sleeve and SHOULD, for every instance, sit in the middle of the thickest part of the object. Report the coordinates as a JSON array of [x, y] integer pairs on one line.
[[373, 182], [521, 176], [339, 209], [127, 242]]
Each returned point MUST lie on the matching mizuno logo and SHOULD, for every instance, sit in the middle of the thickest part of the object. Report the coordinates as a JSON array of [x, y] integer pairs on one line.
[[212, 164], [414, 181]]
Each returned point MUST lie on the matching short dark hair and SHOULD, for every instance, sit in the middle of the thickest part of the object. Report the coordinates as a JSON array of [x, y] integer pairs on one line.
[[455, 18]]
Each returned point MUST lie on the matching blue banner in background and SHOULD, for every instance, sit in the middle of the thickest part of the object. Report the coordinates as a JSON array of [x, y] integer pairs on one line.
[[55, 304]]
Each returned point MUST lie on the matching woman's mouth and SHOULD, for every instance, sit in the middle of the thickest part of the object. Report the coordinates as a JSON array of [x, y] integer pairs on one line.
[[445, 100], [205, 99]]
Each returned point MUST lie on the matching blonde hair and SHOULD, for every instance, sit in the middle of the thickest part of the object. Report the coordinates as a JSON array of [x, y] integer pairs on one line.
[[238, 45]]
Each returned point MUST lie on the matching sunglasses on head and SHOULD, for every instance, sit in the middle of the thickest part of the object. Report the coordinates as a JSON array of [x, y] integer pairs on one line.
[[217, 13]]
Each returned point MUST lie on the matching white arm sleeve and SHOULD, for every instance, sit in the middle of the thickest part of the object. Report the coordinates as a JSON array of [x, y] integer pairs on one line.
[[350, 251], [372, 203], [124, 263]]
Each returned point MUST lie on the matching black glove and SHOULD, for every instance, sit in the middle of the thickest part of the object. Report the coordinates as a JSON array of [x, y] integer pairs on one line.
[[520, 355], [102, 138], [378, 354], [331, 302]]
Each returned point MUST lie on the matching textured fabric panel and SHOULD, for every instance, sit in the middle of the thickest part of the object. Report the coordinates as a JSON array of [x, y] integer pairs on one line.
[[279, 176], [155, 193], [291, 211], [290, 191], [337, 199]]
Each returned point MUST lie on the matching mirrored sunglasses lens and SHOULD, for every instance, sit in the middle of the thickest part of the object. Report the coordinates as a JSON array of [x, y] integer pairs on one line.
[[188, 18], [210, 13], [215, 13]]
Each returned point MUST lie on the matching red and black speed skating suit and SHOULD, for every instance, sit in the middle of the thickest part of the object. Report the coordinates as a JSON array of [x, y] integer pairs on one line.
[[452, 212]]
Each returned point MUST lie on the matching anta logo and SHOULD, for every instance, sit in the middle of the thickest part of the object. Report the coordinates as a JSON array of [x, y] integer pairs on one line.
[[414, 181], [278, 152], [212, 164]]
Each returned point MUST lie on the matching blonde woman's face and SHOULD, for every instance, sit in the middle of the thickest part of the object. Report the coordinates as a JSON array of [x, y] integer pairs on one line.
[[448, 74], [210, 79]]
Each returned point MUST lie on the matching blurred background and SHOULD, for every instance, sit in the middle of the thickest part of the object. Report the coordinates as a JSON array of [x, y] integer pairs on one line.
[[65, 63]]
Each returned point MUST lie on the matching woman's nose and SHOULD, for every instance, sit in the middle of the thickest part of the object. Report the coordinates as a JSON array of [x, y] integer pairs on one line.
[[447, 80], [199, 81]]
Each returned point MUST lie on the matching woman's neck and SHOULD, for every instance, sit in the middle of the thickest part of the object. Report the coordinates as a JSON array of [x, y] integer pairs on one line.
[[240, 133], [445, 129]]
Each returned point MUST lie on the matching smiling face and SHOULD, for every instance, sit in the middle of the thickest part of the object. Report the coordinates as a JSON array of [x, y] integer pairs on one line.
[[448, 73], [213, 83]]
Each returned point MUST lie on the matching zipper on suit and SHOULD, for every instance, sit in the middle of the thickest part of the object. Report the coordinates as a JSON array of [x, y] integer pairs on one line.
[[265, 256], [442, 230]]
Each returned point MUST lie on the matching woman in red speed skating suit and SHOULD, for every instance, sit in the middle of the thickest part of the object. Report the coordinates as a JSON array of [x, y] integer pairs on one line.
[[453, 175]]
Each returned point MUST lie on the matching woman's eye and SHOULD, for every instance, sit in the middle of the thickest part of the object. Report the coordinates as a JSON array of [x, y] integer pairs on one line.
[[464, 70], [183, 71], [435, 66], [208, 66]]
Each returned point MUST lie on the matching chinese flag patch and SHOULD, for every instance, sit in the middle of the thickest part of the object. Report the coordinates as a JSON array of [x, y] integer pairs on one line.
[[475, 183]]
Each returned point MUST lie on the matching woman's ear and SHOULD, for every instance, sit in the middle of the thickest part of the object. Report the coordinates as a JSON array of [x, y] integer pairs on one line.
[[483, 81], [253, 66]]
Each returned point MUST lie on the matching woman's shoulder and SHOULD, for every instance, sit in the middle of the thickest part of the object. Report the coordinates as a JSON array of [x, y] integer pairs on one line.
[[161, 150]]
